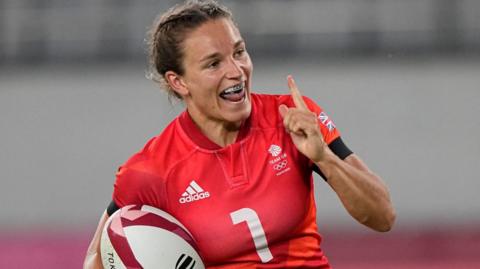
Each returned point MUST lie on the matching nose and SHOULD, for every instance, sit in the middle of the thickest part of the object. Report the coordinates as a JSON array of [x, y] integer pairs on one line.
[[234, 69]]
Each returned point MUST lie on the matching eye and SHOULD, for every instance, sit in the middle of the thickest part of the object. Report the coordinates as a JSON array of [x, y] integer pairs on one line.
[[239, 52], [213, 64]]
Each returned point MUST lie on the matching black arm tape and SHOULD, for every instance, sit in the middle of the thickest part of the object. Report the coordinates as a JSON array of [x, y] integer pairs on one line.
[[112, 207], [338, 148]]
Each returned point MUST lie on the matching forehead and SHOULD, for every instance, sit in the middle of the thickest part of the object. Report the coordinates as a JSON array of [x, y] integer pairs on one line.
[[213, 36]]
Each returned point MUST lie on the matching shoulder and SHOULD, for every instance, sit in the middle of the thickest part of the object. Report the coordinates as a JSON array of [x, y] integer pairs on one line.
[[159, 154], [266, 113], [142, 178], [265, 109]]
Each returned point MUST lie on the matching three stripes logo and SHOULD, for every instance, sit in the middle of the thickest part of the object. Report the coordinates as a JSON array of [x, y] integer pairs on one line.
[[193, 193], [185, 262]]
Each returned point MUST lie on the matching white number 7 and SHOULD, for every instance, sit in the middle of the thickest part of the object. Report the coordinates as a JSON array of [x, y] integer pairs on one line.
[[256, 230]]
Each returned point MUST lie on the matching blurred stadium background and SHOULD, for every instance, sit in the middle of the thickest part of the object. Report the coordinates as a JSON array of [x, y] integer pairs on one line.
[[401, 79]]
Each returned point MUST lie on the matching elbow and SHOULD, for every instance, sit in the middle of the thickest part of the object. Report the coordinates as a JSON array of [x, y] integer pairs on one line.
[[385, 217], [386, 222], [381, 222]]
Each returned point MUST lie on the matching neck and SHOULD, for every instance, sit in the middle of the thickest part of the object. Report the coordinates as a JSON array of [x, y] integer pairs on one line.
[[220, 132]]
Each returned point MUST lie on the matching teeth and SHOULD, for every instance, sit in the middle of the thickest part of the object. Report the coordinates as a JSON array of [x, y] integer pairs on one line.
[[235, 88]]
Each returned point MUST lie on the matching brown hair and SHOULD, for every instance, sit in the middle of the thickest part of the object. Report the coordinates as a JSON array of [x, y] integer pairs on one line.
[[168, 32]]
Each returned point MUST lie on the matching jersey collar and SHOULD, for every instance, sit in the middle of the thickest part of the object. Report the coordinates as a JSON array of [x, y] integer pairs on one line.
[[194, 133]]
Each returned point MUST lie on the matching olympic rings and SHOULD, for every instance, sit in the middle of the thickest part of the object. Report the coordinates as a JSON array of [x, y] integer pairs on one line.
[[281, 165]]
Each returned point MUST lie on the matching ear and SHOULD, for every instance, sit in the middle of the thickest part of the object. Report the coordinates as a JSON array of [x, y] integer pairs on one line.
[[176, 82]]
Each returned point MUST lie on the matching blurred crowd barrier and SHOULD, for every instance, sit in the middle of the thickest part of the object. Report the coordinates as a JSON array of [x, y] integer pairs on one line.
[[419, 249], [98, 30]]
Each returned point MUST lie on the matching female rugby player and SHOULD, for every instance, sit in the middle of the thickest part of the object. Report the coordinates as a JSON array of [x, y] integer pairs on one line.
[[236, 166]]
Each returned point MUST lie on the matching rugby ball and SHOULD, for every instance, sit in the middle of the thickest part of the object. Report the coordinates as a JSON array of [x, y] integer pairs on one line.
[[141, 236]]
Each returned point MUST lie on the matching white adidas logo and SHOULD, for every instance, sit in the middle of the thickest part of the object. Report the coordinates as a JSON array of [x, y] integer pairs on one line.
[[193, 193]]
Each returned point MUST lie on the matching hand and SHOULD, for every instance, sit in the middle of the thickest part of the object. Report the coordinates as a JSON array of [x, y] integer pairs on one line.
[[302, 124]]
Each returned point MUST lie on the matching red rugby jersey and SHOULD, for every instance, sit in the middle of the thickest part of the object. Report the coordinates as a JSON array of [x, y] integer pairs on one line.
[[248, 205]]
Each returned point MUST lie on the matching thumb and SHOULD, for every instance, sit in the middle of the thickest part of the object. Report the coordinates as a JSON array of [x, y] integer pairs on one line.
[[283, 109]]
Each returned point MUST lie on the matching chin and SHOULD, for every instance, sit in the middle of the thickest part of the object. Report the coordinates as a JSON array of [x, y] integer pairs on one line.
[[239, 115]]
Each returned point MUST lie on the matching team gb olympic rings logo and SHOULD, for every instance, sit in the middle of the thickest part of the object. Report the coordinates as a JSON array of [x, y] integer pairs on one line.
[[281, 165]]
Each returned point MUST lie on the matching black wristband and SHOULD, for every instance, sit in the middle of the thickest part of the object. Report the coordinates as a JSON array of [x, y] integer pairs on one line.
[[338, 148]]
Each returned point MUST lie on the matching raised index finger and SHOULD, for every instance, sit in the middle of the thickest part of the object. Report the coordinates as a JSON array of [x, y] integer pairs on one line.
[[296, 95]]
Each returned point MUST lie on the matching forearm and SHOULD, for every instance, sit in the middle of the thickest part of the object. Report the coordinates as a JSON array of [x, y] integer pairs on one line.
[[93, 258], [363, 194], [92, 261]]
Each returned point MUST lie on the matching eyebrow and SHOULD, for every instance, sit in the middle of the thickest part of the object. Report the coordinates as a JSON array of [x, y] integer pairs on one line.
[[216, 54]]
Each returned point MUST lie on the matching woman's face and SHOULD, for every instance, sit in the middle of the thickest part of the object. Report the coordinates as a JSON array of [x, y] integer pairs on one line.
[[217, 78]]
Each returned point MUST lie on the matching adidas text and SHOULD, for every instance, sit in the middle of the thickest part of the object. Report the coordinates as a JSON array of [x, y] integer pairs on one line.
[[194, 197]]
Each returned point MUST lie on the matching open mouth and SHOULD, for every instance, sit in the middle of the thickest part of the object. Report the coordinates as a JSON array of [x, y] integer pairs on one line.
[[236, 93]]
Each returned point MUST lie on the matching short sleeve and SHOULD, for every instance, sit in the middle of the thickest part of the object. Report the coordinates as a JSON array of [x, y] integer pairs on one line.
[[136, 184], [330, 133], [327, 127], [329, 130]]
